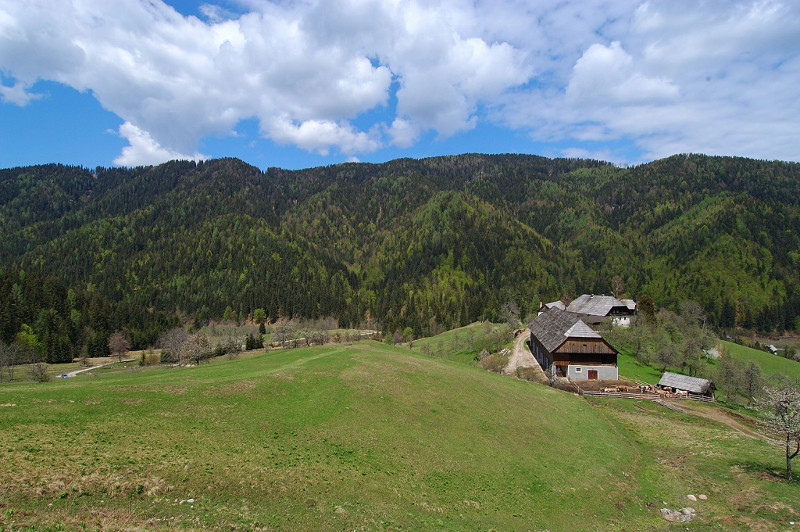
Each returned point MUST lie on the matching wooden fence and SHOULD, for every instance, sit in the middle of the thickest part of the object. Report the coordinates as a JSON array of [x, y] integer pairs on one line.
[[648, 396]]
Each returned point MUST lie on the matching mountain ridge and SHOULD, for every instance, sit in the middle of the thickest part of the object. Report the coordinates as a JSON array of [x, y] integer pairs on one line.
[[419, 243]]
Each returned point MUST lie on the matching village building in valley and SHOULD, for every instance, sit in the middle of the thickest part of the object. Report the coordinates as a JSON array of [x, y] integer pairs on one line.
[[561, 341]]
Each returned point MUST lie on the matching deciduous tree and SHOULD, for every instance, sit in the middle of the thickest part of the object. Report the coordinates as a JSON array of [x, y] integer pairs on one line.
[[118, 344], [782, 412]]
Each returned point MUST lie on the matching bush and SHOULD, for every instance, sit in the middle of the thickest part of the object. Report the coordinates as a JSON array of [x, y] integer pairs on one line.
[[150, 358], [493, 363], [38, 372], [527, 374]]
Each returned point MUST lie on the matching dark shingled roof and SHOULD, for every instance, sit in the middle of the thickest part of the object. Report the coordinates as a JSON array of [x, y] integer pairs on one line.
[[684, 382], [554, 326]]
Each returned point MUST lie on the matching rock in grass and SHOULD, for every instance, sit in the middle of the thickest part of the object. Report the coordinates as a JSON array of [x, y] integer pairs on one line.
[[702, 497], [692, 498], [670, 515]]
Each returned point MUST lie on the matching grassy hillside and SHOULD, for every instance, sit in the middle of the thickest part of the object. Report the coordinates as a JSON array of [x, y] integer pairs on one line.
[[366, 436], [770, 364]]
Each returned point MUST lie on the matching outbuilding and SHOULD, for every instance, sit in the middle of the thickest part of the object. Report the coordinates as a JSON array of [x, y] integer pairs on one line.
[[683, 383]]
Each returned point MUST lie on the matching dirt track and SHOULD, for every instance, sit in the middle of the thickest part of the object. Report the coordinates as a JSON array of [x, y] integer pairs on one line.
[[731, 419], [521, 357]]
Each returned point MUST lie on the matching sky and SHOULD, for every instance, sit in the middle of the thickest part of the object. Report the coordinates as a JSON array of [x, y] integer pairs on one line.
[[303, 83]]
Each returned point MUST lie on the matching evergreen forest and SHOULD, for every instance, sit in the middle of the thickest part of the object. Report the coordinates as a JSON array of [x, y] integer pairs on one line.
[[423, 244]]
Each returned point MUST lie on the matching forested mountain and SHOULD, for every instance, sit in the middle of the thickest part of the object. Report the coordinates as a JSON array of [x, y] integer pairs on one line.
[[410, 243]]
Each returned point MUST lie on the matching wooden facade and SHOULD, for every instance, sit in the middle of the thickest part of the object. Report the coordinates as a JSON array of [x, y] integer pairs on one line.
[[561, 340]]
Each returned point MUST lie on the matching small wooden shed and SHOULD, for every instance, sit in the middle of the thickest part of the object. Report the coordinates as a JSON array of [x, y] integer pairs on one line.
[[684, 383]]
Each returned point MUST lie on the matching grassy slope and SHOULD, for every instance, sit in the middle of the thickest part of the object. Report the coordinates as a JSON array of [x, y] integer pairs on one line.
[[364, 436], [770, 364], [461, 344], [284, 439], [629, 368]]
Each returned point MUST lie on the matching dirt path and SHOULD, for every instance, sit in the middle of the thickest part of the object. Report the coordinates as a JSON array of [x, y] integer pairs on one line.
[[74, 373], [731, 419], [521, 357]]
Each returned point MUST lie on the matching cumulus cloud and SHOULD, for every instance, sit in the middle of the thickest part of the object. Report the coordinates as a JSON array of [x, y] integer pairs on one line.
[[304, 70], [353, 76], [670, 77], [144, 150]]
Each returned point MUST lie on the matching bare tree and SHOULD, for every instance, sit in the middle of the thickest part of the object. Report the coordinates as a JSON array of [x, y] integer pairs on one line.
[[752, 381], [728, 379], [397, 337], [617, 286], [118, 344], [195, 349], [12, 355], [693, 314], [171, 343], [283, 330], [509, 313], [38, 372], [782, 409]]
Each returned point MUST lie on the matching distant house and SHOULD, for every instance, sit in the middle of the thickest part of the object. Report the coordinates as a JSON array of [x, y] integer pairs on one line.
[[684, 383], [554, 304], [562, 340], [594, 309], [772, 349]]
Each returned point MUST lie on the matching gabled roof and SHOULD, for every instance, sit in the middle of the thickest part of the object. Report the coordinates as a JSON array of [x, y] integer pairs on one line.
[[593, 305], [556, 304], [684, 382], [554, 326]]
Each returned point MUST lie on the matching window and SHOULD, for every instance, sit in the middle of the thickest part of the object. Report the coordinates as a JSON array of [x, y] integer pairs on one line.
[[577, 370]]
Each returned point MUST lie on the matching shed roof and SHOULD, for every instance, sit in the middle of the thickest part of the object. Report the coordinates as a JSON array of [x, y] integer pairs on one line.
[[554, 326], [684, 382]]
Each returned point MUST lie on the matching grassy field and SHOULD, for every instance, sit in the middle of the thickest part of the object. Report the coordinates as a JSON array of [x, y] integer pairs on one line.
[[464, 343], [365, 436], [770, 364], [629, 368]]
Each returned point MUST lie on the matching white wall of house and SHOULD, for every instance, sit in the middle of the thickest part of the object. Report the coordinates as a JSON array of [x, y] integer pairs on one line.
[[576, 372], [621, 321]]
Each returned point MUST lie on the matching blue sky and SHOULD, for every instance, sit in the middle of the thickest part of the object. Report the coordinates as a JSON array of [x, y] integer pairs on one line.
[[298, 84]]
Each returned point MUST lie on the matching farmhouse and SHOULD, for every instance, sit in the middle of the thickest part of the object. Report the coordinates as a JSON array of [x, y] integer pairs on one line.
[[683, 383], [562, 341], [594, 309], [554, 304]]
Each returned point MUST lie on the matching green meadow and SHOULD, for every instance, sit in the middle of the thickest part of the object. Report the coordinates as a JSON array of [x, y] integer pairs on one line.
[[366, 437], [771, 365]]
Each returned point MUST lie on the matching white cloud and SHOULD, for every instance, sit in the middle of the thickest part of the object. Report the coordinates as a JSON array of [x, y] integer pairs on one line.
[[18, 94], [717, 77], [606, 75], [321, 135], [305, 70], [354, 76], [143, 150]]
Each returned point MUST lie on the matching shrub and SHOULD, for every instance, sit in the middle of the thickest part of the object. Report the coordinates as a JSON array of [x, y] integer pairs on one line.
[[38, 372], [527, 374], [493, 363]]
